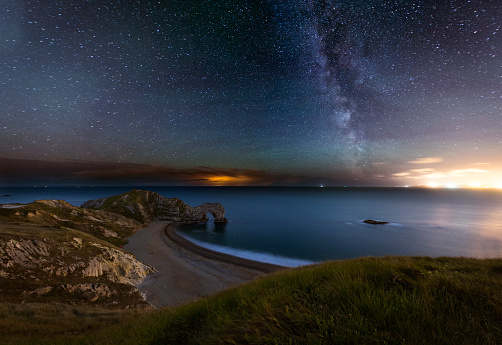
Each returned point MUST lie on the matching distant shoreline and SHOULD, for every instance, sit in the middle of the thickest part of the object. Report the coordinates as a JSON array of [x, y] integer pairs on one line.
[[173, 235]]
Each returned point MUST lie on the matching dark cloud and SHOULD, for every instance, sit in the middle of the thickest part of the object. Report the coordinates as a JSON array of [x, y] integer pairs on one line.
[[17, 171]]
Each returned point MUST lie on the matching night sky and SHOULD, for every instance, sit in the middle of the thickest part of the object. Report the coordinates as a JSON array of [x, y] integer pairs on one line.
[[360, 93]]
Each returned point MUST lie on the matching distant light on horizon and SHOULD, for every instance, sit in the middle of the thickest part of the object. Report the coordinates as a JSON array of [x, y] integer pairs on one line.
[[225, 180], [469, 186]]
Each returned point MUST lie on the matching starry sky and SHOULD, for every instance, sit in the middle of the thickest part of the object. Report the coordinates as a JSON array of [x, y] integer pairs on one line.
[[265, 92]]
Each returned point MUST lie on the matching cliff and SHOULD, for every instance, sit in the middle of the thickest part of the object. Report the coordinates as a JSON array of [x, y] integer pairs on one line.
[[147, 207], [46, 264], [53, 251]]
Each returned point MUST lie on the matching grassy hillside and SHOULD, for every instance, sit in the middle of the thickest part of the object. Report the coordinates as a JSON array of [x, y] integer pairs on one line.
[[391, 300], [106, 226]]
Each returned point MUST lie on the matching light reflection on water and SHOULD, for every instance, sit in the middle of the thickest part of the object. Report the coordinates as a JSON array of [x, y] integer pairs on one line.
[[328, 224], [316, 224]]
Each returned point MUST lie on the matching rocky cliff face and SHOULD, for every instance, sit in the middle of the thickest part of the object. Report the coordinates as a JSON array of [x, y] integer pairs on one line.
[[147, 207], [52, 251], [41, 264]]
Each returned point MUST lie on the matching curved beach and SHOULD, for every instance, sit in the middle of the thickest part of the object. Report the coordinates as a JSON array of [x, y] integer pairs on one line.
[[186, 271]]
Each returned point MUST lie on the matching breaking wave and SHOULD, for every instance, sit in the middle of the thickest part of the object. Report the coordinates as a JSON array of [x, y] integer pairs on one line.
[[251, 255]]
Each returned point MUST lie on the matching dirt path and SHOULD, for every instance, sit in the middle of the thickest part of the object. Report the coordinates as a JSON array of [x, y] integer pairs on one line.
[[183, 274]]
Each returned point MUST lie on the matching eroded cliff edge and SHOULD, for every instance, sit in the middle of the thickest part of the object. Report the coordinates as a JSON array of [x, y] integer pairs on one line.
[[147, 207], [52, 251]]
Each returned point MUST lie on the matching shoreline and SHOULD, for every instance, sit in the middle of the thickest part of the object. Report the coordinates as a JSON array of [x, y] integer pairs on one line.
[[265, 267], [184, 270]]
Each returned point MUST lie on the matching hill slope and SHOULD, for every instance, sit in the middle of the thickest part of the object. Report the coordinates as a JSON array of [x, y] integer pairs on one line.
[[107, 226], [391, 300], [54, 252]]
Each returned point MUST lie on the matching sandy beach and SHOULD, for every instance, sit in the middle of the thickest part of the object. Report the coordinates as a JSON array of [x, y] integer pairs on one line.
[[186, 271]]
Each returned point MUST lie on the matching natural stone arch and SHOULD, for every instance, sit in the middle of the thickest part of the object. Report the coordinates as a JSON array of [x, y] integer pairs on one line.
[[216, 209]]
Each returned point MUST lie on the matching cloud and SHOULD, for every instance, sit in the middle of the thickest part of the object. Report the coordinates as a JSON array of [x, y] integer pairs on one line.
[[401, 174], [465, 172], [435, 175], [195, 175], [427, 160], [422, 171], [16, 171]]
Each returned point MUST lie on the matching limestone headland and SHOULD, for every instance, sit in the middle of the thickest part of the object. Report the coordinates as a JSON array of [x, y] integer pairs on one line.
[[53, 251], [147, 207]]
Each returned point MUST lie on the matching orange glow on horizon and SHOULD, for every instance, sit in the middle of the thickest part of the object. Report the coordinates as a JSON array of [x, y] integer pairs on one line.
[[225, 180]]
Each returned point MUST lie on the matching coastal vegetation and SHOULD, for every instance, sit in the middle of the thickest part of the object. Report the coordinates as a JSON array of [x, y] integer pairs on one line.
[[65, 280], [58, 214], [388, 300]]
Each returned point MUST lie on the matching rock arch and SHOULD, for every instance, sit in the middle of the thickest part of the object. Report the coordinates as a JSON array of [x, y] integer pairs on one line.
[[216, 209]]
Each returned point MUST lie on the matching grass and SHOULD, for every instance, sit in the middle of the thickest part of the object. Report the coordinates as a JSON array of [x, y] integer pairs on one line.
[[89, 221], [390, 300], [32, 323]]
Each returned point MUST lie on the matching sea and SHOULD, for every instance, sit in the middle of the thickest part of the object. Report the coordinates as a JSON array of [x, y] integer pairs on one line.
[[294, 226]]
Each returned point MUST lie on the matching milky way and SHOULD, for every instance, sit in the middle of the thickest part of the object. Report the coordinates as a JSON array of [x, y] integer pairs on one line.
[[308, 92]]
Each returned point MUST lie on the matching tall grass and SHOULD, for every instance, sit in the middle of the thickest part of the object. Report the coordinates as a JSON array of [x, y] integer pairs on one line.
[[30, 323], [391, 300]]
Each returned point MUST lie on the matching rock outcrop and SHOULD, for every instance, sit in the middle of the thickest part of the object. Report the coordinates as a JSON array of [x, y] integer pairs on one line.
[[44, 261], [147, 207], [216, 209], [52, 251], [371, 221], [55, 258]]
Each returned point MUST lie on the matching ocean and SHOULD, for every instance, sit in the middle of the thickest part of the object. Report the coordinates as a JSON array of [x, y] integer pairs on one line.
[[296, 226]]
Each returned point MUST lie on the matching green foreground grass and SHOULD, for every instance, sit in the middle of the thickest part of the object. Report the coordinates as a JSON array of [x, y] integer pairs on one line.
[[391, 300]]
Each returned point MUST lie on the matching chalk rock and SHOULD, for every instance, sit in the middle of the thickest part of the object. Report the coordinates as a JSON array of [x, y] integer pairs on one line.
[[147, 207], [216, 209], [25, 256], [116, 265]]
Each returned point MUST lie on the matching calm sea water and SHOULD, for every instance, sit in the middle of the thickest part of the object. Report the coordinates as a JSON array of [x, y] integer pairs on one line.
[[294, 226]]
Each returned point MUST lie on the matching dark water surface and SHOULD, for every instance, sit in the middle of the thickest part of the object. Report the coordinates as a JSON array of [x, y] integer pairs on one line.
[[292, 226]]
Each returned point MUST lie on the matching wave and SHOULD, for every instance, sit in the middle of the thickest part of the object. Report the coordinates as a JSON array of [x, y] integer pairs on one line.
[[251, 255]]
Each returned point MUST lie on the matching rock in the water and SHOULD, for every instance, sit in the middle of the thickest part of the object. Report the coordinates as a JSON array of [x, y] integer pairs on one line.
[[148, 207], [371, 221]]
